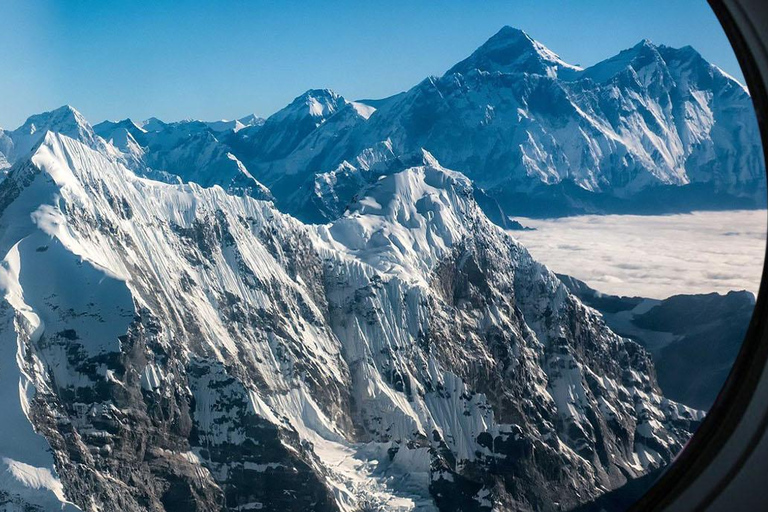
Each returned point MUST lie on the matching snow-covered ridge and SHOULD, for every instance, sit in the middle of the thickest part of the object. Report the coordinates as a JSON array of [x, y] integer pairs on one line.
[[408, 355], [188, 151], [406, 222]]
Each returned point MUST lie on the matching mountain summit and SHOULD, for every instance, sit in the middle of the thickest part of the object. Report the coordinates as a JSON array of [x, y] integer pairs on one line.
[[511, 50], [65, 120], [651, 130]]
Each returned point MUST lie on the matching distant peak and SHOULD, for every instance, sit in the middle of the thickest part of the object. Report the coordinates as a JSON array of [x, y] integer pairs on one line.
[[645, 43], [320, 102], [63, 119], [125, 123], [108, 129], [643, 54], [320, 94], [644, 48], [511, 50], [66, 109], [226, 125], [251, 120], [63, 112], [687, 52], [152, 124], [507, 32]]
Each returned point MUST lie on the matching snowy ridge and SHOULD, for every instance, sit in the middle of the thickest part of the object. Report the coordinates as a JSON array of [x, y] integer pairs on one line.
[[196, 345], [187, 151], [406, 222]]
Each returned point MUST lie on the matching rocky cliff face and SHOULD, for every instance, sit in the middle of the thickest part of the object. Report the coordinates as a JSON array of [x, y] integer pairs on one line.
[[693, 339], [173, 347]]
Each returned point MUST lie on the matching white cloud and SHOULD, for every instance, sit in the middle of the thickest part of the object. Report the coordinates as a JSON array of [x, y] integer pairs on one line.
[[654, 256]]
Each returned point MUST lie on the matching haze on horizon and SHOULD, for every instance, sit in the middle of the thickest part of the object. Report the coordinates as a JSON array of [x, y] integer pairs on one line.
[[208, 61]]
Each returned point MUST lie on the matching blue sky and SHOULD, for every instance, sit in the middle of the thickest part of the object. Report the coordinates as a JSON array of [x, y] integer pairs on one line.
[[212, 60]]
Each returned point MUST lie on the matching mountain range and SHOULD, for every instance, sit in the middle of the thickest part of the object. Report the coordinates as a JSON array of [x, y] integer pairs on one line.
[[320, 311], [652, 130]]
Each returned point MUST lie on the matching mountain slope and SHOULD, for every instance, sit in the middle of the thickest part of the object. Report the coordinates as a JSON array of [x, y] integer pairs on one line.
[[197, 350]]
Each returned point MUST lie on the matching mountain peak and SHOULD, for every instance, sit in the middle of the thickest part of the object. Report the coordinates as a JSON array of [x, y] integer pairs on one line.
[[126, 123], [55, 120], [66, 109], [124, 135], [510, 33], [152, 124], [511, 50], [322, 102], [251, 120], [644, 43], [65, 120], [320, 93], [638, 57], [235, 125], [317, 103]]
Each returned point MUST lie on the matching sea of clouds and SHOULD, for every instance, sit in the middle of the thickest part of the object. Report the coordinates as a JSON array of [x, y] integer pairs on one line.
[[654, 256]]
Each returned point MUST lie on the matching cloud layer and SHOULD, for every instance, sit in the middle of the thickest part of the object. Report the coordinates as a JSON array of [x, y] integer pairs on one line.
[[654, 256]]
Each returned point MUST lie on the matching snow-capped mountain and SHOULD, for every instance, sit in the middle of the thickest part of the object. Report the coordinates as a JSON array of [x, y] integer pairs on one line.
[[186, 150], [513, 51], [17, 144], [173, 338], [174, 152], [288, 140], [174, 347], [123, 135], [650, 129]]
